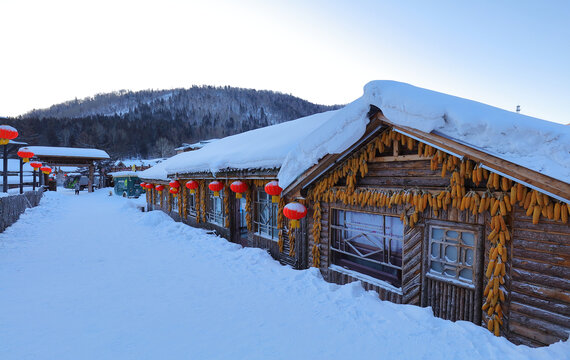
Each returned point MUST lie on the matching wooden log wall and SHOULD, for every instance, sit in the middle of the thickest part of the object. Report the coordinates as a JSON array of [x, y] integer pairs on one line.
[[539, 312]]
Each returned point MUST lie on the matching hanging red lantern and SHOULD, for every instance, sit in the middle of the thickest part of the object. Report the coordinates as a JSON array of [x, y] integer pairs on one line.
[[46, 170], [149, 186], [238, 187], [159, 188], [192, 186], [143, 185], [174, 191], [174, 184], [7, 133], [294, 211], [25, 154], [216, 186], [36, 164], [272, 188]]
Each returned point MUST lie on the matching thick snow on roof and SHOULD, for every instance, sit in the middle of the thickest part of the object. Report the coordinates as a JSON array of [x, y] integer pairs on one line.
[[536, 144], [124, 173], [263, 148], [157, 172], [68, 152]]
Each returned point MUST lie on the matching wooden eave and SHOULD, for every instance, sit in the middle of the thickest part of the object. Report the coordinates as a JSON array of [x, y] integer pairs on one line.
[[68, 160], [533, 179], [234, 174]]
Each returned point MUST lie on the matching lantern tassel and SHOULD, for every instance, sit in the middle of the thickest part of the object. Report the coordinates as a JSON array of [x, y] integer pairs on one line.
[[275, 198], [216, 193], [238, 195], [294, 224]]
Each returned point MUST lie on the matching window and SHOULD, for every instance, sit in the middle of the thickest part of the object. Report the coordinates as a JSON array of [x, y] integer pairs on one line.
[[452, 253], [216, 208], [265, 216], [174, 202], [191, 205], [368, 243]]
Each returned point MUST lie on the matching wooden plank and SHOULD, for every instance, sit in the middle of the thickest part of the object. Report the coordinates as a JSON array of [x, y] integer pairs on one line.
[[534, 337], [541, 279], [543, 268], [545, 327], [542, 246], [541, 292], [548, 305], [378, 159], [538, 313]]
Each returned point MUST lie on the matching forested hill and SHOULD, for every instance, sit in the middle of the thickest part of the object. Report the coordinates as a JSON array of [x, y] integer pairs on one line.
[[152, 123]]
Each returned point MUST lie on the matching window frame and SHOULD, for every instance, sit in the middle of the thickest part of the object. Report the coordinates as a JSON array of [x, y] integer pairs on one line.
[[381, 269], [174, 202], [478, 256], [213, 217], [268, 229], [191, 204]]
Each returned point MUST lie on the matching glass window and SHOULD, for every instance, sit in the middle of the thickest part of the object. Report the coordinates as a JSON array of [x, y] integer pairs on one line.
[[265, 216], [216, 208], [452, 253], [191, 205], [368, 243], [174, 202]]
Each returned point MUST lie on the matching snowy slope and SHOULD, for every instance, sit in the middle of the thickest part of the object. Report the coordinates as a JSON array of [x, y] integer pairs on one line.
[[91, 277], [530, 142]]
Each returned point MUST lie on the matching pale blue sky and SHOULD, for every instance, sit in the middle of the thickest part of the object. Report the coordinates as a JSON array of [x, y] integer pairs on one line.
[[502, 53]]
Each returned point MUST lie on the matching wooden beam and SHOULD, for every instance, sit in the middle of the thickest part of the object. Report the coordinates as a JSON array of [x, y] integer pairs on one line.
[[541, 181], [398, 158]]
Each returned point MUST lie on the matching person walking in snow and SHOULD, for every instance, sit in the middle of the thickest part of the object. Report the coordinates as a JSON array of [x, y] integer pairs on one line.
[[77, 188]]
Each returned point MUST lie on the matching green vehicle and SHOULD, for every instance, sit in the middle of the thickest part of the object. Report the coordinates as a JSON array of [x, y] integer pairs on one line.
[[127, 184]]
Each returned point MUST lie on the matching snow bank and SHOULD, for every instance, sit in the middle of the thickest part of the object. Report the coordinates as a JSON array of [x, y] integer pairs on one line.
[[530, 142], [68, 152], [263, 148], [91, 277]]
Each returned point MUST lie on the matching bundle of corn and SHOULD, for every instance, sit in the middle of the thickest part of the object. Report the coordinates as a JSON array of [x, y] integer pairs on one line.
[[227, 203], [203, 197], [315, 251], [248, 207], [280, 222]]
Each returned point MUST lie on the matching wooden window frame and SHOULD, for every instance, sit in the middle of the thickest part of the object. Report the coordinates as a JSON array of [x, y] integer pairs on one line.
[[191, 204], [271, 225], [211, 216], [394, 280], [174, 203], [478, 248]]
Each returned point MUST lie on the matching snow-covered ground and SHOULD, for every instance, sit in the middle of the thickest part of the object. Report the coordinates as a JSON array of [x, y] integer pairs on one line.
[[92, 277]]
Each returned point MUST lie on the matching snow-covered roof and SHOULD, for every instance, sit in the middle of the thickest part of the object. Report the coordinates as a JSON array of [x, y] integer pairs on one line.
[[157, 172], [68, 152], [200, 144], [263, 148], [533, 143], [124, 173], [139, 162]]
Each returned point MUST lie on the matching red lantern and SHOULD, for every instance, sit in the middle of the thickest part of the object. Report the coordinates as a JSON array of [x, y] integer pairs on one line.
[[149, 186], [25, 154], [46, 170], [216, 186], [174, 191], [7, 133], [272, 188], [143, 185], [36, 165], [159, 188], [192, 185], [294, 211], [174, 184], [238, 187]]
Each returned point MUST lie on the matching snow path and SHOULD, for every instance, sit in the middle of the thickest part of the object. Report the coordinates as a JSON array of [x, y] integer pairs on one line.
[[91, 277]]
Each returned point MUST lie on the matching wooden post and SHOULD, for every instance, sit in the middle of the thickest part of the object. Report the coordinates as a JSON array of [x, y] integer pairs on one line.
[[34, 181], [5, 172], [91, 171], [21, 176]]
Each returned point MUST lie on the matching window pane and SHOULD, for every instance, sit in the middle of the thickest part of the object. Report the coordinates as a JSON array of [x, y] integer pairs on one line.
[[437, 233], [468, 238], [435, 250], [466, 274], [452, 234], [451, 253], [436, 266], [469, 255]]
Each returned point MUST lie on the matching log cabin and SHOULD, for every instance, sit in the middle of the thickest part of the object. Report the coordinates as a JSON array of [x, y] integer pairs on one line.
[[425, 198]]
